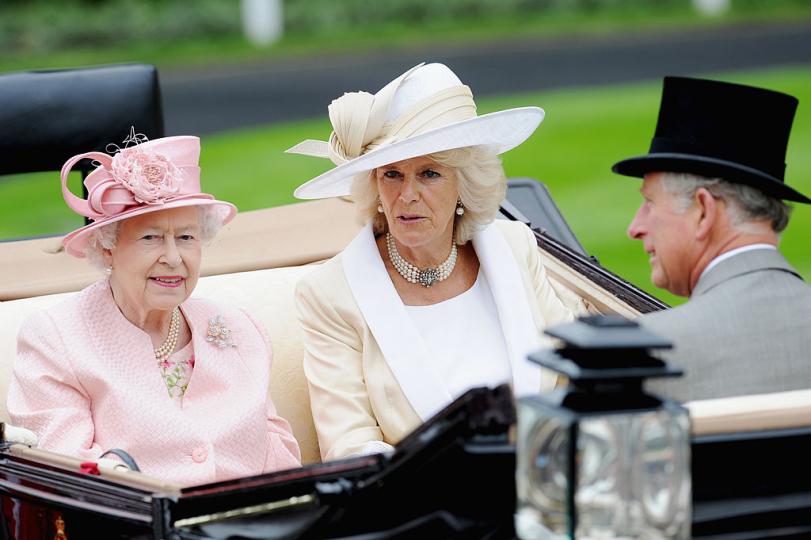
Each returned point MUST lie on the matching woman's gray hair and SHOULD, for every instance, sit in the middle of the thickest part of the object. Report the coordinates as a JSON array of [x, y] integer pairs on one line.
[[104, 238], [481, 184], [744, 203]]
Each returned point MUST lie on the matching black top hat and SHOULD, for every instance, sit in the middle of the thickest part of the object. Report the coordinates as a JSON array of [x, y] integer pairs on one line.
[[721, 130]]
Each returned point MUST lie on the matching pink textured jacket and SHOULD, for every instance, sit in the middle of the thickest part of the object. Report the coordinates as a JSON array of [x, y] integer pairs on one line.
[[86, 380]]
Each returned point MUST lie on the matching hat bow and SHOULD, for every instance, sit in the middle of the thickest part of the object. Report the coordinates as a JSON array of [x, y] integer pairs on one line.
[[359, 120], [134, 176]]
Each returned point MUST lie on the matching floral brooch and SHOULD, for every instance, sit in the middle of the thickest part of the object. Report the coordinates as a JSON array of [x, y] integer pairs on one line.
[[218, 333]]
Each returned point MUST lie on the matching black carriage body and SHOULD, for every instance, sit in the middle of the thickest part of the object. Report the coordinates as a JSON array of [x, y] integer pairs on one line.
[[44, 501], [453, 477]]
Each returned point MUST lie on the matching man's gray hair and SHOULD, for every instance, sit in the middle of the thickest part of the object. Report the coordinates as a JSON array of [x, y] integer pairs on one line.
[[744, 203], [481, 182], [105, 237]]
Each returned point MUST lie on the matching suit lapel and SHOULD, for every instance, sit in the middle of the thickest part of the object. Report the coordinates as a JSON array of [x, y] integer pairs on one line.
[[517, 324], [398, 338], [743, 263]]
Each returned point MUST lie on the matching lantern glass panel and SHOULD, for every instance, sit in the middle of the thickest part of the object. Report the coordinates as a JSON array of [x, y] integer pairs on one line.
[[631, 473], [633, 476], [542, 474]]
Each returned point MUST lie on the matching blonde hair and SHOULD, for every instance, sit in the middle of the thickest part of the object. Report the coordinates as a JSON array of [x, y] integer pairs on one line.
[[482, 186]]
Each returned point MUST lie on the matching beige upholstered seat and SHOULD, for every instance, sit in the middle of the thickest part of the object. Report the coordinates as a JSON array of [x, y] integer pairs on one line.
[[782, 410], [255, 263]]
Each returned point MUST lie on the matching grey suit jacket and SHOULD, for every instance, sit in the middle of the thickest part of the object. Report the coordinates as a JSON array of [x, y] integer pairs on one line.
[[745, 330]]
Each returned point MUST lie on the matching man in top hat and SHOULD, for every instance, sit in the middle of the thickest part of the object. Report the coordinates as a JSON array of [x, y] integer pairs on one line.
[[711, 219]]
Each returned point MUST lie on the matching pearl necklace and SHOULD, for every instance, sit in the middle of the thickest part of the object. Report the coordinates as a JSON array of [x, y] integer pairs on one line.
[[412, 274], [163, 352]]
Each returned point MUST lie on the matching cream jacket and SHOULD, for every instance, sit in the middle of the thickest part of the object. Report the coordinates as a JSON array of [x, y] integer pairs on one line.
[[369, 372]]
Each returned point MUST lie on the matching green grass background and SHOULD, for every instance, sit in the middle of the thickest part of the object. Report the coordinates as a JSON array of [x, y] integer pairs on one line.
[[584, 133]]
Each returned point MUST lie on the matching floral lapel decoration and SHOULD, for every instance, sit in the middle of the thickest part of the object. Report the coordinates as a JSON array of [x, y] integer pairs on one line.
[[218, 333]]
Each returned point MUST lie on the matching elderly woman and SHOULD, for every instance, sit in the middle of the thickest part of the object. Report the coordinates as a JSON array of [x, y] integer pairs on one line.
[[131, 362], [433, 297]]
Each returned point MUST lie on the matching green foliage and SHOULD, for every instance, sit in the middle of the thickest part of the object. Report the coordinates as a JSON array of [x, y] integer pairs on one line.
[[584, 133], [38, 26], [331, 16], [68, 33]]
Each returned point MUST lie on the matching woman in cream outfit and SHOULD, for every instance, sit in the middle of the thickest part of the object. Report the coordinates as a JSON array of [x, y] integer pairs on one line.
[[131, 362], [433, 297]]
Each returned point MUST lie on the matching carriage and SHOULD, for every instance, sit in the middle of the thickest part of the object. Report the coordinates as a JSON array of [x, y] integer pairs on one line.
[[453, 477]]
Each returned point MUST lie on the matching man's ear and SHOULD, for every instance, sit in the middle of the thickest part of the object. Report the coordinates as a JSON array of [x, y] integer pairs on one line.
[[709, 208]]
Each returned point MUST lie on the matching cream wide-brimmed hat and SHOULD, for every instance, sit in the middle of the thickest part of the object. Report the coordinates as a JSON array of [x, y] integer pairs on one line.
[[425, 110]]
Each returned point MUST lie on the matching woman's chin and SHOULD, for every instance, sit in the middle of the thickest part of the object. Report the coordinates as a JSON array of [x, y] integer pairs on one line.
[[409, 234], [163, 306], [409, 239], [168, 298]]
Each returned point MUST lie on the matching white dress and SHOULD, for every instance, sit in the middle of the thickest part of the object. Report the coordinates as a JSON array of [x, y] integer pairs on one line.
[[462, 359], [465, 339]]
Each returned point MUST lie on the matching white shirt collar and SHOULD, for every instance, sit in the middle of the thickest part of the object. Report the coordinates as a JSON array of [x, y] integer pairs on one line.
[[731, 253]]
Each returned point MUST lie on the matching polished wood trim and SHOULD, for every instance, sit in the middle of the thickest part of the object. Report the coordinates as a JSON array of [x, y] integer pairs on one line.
[[595, 282]]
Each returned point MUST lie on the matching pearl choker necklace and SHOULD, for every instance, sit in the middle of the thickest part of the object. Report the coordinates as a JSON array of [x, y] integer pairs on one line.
[[163, 352], [412, 274]]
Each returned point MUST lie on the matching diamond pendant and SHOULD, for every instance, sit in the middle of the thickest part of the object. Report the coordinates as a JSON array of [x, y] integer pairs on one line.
[[428, 277]]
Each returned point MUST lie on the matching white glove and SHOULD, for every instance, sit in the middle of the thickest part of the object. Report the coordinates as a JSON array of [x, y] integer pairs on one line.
[[18, 435], [111, 464], [375, 447]]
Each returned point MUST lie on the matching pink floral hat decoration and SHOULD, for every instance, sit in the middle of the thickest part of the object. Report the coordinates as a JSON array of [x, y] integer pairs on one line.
[[147, 176]]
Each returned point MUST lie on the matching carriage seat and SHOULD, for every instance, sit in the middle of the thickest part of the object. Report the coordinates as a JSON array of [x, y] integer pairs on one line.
[[268, 295], [255, 262]]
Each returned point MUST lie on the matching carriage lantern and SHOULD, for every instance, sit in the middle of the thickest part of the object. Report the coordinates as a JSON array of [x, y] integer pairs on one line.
[[601, 458]]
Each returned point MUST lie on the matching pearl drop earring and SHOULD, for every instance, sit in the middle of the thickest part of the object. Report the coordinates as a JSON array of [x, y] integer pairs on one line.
[[460, 210]]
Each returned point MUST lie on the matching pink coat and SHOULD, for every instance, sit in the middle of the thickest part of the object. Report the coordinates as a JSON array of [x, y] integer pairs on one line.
[[86, 380]]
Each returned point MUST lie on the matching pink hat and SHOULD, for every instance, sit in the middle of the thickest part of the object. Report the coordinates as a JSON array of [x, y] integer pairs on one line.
[[147, 177]]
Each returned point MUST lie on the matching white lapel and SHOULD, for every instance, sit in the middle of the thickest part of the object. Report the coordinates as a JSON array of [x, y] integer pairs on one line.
[[398, 338], [520, 334]]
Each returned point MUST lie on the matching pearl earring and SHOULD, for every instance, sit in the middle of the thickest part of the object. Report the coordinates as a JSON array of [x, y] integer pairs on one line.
[[379, 208], [108, 270], [460, 210]]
